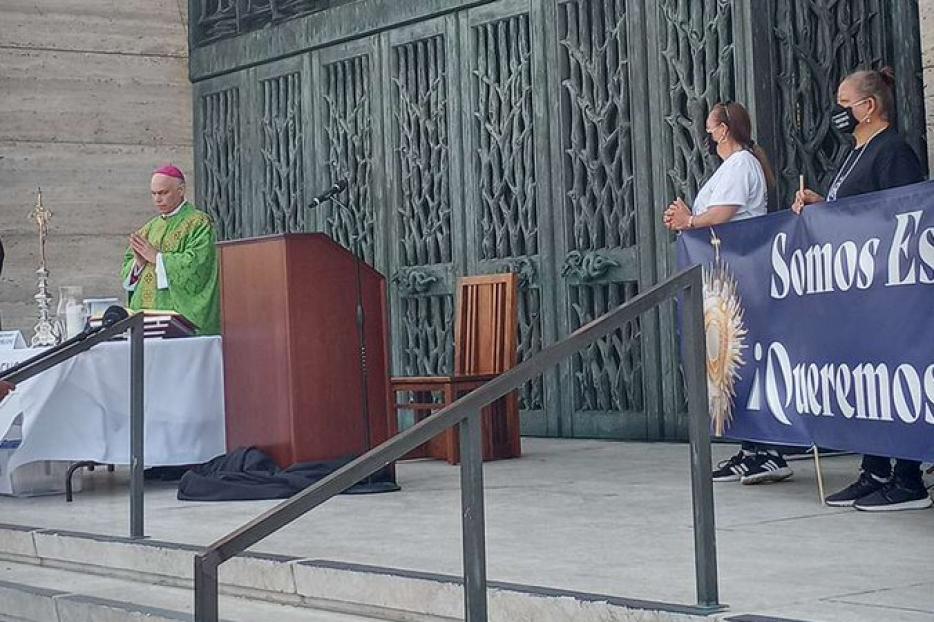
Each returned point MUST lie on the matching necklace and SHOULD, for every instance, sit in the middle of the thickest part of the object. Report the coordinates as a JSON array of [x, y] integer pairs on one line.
[[844, 172]]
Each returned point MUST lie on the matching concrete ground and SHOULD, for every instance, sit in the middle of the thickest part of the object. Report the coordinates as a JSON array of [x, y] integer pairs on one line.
[[592, 516]]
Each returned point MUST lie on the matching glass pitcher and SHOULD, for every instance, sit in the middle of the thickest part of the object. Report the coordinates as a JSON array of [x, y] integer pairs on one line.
[[72, 313]]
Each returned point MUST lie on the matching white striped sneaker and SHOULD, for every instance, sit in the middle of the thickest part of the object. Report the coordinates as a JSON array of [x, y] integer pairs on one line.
[[765, 467], [732, 469]]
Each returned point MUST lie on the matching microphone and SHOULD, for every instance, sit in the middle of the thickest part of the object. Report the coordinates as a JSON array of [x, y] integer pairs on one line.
[[112, 315], [339, 186]]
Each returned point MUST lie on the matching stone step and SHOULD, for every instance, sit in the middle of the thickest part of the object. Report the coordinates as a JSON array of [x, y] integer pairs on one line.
[[319, 585], [31, 593]]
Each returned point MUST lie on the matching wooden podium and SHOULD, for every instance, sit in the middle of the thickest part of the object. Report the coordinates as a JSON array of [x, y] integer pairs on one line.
[[292, 384]]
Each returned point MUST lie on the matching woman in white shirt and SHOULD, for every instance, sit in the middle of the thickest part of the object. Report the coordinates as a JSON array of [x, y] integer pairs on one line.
[[739, 188], [736, 191]]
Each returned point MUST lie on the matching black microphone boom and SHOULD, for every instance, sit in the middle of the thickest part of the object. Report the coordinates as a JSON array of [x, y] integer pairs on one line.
[[339, 186], [112, 315]]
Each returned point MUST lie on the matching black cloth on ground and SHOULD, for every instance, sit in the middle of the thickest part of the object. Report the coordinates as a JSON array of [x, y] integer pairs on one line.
[[248, 474]]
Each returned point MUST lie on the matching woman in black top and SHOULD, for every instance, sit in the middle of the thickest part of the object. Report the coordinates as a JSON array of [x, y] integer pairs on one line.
[[879, 160]]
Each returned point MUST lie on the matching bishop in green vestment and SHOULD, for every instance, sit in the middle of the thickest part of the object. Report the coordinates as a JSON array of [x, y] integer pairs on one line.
[[171, 263]]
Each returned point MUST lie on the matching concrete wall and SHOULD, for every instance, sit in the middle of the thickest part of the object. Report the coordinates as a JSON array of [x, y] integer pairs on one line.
[[94, 94], [926, 8]]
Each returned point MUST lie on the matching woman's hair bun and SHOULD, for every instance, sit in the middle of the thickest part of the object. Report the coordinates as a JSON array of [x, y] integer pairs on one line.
[[888, 76]]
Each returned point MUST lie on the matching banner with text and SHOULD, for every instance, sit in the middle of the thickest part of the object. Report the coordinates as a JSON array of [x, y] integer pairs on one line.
[[820, 327]]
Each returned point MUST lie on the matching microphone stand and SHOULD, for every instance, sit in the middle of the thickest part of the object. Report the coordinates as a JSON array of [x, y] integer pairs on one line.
[[15, 373], [368, 485]]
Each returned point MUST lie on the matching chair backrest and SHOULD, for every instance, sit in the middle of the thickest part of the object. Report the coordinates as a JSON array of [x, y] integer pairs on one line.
[[485, 340]]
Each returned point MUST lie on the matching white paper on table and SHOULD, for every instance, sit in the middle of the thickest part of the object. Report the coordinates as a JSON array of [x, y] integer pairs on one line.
[[11, 340]]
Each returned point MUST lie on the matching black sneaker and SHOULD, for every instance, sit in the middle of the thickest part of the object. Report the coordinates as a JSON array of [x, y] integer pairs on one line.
[[732, 470], [865, 485], [765, 467], [896, 495]]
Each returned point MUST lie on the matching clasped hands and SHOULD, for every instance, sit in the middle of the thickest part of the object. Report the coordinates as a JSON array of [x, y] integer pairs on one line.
[[678, 216], [144, 251]]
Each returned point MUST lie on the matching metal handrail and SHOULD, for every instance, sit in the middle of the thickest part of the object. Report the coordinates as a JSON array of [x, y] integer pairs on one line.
[[82, 343], [465, 413]]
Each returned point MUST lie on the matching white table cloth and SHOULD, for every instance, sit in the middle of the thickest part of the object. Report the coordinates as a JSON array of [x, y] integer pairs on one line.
[[80, 409]]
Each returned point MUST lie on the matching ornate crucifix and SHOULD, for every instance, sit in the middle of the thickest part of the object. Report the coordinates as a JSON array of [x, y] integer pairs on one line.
[[47, 331]]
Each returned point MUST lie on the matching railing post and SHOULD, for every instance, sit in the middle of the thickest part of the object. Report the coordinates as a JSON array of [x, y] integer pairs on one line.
[[695, 370], [136, 428], [205, 590], [474, 537]]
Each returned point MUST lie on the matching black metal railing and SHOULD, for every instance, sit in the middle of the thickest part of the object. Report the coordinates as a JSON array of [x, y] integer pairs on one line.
[[82, 343], [465, 413]]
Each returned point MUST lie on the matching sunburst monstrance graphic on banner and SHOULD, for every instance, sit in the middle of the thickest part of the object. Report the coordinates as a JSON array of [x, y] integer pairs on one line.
[[725, 335]]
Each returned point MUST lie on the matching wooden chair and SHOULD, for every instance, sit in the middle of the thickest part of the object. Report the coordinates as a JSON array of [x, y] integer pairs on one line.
[[485, 346]]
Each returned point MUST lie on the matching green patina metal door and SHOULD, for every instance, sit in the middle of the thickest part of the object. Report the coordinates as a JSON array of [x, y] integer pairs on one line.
[[542, 137]]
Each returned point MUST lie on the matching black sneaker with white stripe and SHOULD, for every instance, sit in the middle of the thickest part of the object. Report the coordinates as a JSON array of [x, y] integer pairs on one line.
[[765, 467], [732, 469]]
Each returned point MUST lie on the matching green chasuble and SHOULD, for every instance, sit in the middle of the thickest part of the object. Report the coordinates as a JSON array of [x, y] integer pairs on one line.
[[186, 241]]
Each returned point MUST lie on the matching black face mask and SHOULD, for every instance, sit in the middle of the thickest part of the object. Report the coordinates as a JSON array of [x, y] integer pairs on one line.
[[843, 119], [711, 145]]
